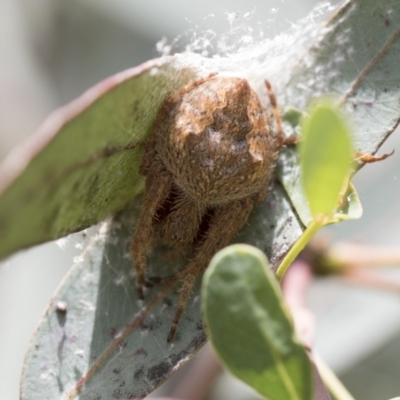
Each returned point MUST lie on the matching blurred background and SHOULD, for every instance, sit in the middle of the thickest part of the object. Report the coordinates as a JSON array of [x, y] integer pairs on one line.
[[51, 51]]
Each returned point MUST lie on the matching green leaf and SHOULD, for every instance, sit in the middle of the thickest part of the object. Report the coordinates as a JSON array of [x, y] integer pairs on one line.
[[82, 164], [325, 158], [350, 208], [250, 327]]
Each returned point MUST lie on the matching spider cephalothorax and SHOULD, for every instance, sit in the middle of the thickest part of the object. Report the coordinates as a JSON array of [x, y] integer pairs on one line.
[[213, 147]]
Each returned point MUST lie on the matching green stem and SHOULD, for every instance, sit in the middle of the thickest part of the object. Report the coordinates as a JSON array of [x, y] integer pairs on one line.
[[331, 381], [315, 225]]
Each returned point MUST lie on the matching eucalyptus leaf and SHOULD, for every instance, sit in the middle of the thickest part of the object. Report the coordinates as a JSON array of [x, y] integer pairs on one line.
[[107, 344], [354, 58], [82, 164], [100, 346], [250, 327], [325, 158]]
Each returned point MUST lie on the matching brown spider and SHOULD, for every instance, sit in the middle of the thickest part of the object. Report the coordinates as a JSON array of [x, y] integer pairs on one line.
[[213, 148]]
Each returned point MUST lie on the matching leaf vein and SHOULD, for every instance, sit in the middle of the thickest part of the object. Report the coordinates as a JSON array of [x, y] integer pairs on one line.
[[370, 65]]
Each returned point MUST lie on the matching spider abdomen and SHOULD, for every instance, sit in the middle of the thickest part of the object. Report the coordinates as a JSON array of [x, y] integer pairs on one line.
[[217, 143]]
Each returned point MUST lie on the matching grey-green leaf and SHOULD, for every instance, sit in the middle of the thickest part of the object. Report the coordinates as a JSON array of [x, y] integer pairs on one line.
[[102, 346], [355, 58], [98, 345], [250, 327]]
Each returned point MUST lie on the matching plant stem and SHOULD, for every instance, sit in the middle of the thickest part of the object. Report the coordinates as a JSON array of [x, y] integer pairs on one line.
[[316, 224], [331, 381]]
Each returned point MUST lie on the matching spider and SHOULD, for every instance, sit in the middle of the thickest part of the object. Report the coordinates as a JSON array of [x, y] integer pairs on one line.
[[213, 152]]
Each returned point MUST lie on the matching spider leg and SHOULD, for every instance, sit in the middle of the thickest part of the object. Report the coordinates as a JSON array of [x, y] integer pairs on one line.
[[148, 155], [286, 141], [275, 110], [157, 188], [226, 222], [367, 158], [182, 224], [197, 82]]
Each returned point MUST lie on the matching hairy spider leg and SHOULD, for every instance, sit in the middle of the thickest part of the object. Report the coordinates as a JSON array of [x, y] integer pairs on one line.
[[286, 141], [275, 110], [367, 158], [225, 223], [157, 187], [182, 224]]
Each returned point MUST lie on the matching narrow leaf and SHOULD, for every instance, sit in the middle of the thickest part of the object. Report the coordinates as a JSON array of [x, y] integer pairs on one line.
[[250, 327]]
